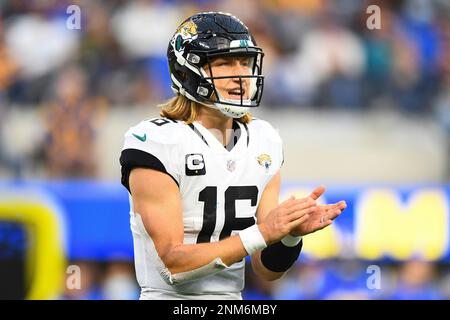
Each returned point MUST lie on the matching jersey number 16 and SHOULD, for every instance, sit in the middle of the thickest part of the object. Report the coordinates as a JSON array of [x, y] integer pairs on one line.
[[233, 193]]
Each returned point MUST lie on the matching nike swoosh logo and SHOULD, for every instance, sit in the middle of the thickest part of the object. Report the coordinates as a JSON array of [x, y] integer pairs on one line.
[[142, 138]]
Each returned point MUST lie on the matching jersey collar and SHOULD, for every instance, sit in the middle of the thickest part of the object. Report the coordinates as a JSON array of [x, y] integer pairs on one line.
[[239, 141]]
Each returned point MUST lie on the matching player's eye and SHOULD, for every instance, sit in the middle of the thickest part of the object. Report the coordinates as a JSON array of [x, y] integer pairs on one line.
[[247, 62], [220, 62]]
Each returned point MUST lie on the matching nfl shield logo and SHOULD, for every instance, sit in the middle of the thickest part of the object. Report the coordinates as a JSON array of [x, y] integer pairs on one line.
[[231, 165]]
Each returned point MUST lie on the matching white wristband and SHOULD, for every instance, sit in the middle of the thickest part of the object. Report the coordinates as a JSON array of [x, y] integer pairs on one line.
[[291, 241], [252, 239]]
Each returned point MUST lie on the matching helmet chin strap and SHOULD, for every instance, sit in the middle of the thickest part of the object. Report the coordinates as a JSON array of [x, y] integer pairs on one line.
[[232, 111], [235, 112]]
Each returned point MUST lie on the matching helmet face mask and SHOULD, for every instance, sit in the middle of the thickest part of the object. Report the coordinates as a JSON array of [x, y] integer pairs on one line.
[[200, 40]]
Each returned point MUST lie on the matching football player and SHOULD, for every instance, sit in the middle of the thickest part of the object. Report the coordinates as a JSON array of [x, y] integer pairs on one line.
[[204, 179]]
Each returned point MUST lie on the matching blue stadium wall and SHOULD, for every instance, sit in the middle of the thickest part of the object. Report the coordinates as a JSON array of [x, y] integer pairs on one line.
[[381, 222]]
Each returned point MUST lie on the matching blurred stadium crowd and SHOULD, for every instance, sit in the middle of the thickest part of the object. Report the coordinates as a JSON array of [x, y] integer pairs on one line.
[[319, 54], [310, 280]]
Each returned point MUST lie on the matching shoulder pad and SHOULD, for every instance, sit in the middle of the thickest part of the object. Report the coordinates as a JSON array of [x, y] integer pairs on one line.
[[159, 130], [265, 129]]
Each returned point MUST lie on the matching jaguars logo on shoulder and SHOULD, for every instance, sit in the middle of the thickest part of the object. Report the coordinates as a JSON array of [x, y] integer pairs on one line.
[[265, 161]]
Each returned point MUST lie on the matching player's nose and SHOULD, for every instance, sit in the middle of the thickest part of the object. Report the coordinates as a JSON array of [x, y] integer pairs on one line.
[[238, 68], [238, 71]]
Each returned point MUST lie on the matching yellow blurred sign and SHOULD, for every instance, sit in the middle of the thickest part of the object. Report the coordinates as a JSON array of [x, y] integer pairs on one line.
[[386, 226], [45, 259]]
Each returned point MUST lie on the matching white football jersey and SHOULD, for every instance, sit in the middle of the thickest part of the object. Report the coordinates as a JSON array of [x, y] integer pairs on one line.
[[220, 190]]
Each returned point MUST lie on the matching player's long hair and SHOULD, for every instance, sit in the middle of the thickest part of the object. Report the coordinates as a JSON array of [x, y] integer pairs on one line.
[[181, 108]]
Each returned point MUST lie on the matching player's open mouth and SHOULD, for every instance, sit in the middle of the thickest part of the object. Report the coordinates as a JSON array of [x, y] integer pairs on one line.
[[236, 93]]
